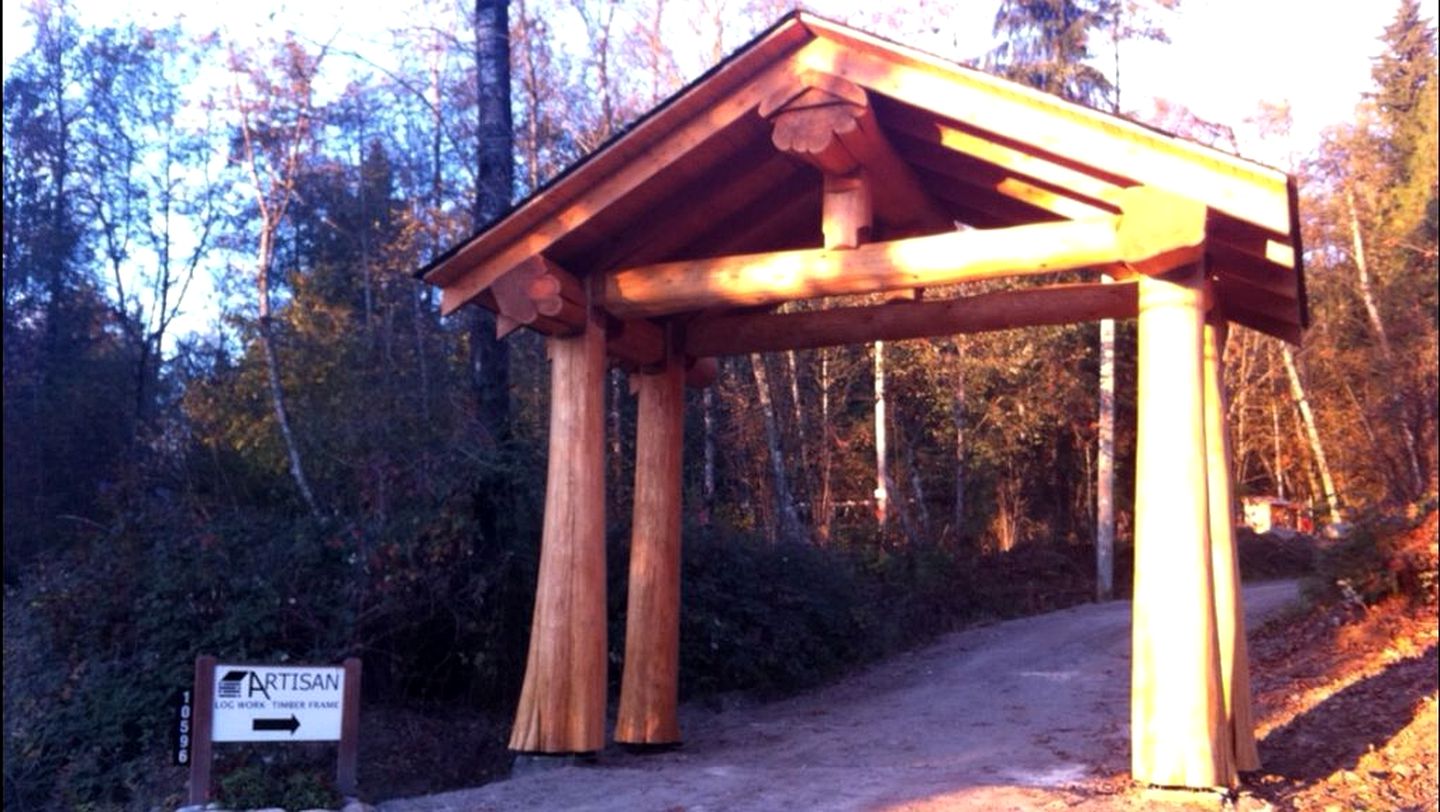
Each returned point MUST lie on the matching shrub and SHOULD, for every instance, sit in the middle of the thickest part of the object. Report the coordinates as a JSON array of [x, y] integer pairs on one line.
[[1380, 557], [285, 780], [768, 619]]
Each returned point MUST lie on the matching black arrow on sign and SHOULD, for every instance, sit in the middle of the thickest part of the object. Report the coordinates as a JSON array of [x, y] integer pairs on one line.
[[292, 724]]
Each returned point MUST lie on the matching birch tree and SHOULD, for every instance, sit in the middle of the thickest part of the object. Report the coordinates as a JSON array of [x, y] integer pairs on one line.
[[274, 105]]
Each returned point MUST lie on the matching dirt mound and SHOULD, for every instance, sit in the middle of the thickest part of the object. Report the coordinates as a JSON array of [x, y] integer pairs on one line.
[[1346, 693]]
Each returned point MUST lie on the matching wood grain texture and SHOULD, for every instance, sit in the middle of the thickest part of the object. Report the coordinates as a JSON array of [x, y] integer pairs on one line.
[[540, 294], [846, 216], [649, 688], [562, 701], [1229, 604], [1160, 230], [828, 123], [1180, 735], [896, 321], [939, 259]]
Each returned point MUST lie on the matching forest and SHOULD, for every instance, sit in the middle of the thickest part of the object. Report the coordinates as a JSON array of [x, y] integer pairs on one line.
[[235, 422]]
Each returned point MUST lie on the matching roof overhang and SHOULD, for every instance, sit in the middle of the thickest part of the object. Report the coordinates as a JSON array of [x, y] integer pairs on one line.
[[704, 176]]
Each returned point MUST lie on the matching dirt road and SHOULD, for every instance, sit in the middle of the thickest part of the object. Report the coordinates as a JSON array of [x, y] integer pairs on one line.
[[1027, 714]]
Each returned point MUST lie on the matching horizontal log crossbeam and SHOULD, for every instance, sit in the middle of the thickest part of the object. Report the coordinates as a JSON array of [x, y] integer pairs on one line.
[[897, 321], [1156, 231]]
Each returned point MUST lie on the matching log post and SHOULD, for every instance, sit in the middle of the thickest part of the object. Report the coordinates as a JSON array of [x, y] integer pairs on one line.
[[562, 702], [649, 688], [1229, 604], [1179, 733]]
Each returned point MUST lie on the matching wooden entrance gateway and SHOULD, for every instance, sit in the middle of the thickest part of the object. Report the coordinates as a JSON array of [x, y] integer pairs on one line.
[[819, 162]]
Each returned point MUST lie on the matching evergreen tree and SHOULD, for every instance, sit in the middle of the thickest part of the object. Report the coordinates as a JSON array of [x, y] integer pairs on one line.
[[1050, 44]]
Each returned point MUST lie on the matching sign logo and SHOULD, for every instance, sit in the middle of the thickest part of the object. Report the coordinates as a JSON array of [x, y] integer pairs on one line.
[[229, 685]]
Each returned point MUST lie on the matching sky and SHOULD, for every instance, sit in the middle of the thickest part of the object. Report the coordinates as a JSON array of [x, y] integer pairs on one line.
[[1225, 57]]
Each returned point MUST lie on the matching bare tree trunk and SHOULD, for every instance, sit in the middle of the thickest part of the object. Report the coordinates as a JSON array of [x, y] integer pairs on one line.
[[882, 476], [273, 195], [1105, 469], [825, 510], [784, 504], [494, 188], [919, 523], [957, 417], [1362, 270], [272, 371], [707, 475], [616, 442], [1240, 373], [1278, 464], [1302, 403], [1372, 309], [802, 435]]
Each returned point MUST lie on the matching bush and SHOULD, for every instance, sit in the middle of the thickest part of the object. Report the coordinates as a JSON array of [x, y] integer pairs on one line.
[[1380, 557], [99, 638], [282, 778], [767, 619], [1275, 554]]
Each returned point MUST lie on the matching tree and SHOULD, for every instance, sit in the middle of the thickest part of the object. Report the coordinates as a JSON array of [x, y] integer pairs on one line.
[[494, 189], [149, 192], [1048, 45], [65, 365], [275, 131]]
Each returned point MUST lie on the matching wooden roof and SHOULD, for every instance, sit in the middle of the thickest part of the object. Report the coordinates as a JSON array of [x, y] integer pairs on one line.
[[701, 176]]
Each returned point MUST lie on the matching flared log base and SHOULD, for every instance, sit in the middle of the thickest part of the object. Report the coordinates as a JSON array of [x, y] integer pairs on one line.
[[1190, 696], [562, 702], [649, 688]]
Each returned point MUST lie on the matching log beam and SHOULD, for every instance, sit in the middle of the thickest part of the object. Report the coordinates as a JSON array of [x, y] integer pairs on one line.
[[1160, 230], [897, 321], [1180, 736], [940, 259], [635, 342], [1156, 231], [649, 687], [562, 701], [613, 180]]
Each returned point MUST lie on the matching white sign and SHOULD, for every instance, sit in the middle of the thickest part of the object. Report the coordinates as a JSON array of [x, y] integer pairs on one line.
[[266, 703]]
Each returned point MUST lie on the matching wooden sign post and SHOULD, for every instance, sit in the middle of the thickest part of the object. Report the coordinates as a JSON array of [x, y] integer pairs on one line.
[[269, 703]]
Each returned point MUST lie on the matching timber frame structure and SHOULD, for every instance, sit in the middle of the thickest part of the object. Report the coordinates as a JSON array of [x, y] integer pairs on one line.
[[819, 161]]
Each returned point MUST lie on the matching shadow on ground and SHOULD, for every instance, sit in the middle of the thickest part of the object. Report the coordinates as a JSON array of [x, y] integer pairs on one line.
[[1326, 738]]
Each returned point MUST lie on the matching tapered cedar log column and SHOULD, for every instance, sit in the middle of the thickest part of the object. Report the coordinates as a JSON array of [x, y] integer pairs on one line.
[[649, 689], [562, 703], [1229, 605], [1179, 732]]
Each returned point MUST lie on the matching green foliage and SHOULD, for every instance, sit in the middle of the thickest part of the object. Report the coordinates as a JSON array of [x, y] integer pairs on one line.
[[436, 602], [768, 619], [268, 782]]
